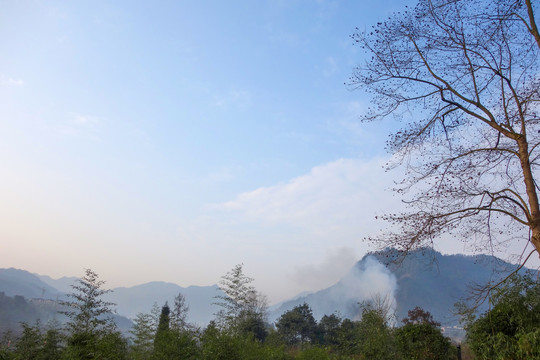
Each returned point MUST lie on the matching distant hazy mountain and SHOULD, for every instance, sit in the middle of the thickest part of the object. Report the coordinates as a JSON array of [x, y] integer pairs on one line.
[[63, 284], [424, 278], [129, 300], [141, 298], [25, 297], [20, 282], [436, 282]]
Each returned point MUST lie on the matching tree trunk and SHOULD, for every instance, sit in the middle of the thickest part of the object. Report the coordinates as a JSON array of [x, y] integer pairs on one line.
[[528, 178]]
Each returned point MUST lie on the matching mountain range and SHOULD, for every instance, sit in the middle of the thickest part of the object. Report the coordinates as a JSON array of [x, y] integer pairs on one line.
[[424, 278]]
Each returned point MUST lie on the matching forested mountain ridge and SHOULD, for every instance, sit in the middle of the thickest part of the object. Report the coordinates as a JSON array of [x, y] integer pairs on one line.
[[129, 300], [434, 281], [424, 278], [21, 282]]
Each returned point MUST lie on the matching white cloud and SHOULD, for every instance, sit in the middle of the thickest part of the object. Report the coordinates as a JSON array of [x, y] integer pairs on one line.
[[340, 198], [314, 225]]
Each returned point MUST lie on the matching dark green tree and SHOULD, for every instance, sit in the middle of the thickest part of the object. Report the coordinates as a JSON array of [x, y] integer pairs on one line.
[[162, 332], [348, 337], [221, 344], [164, 319], [328, 329], [421, 338], [297, 326], [112, 345], [172, 345], [218, 344], [376, 340], [172, 342]]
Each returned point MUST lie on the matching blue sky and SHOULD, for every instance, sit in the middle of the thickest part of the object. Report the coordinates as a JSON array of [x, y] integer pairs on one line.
[[171, 140]]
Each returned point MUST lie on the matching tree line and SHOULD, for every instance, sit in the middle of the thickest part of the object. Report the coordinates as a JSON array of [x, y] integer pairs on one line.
[[240, 329]]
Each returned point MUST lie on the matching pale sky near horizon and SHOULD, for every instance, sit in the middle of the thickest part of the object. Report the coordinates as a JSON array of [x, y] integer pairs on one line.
[[171, 140]]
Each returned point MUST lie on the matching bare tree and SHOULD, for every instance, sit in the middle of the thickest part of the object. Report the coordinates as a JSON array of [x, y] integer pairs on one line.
[[382, 305], [463, 77]]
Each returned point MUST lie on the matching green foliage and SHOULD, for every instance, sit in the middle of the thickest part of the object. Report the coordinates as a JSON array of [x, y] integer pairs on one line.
[[98, 345], [243, 309], [252, 325], [164, 320], [313, 353], [92, 332], [164, 335], [510, 330], [52, 343], [421, 338], [143, 337], [376, 338], [172, 344], [29, 344], [219, 345], [328, 330], [347, 337], [223, 345], [422, 341], [297, 326], [112, 345], [36, 343]]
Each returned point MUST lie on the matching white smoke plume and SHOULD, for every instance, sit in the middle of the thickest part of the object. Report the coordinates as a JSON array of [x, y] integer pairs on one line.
[[368, 281]]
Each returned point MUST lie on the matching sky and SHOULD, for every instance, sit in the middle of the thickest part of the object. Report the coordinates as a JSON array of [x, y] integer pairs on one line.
[[172, 140]]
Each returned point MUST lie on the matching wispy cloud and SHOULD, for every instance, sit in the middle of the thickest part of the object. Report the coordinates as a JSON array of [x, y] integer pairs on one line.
[[341, 197], [9, 81]]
